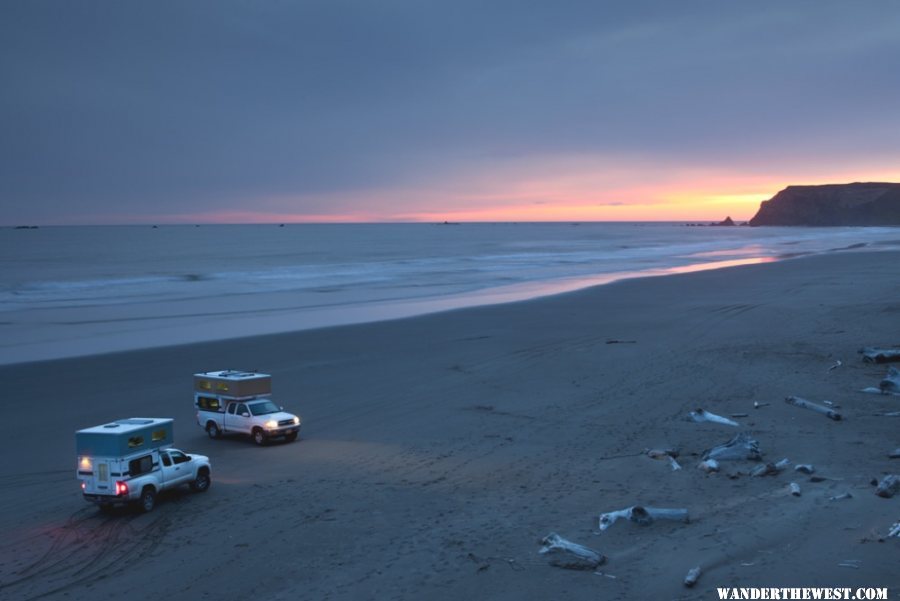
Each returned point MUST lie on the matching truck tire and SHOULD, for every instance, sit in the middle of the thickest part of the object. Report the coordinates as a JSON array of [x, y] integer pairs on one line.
[[212, 430], [148, 499], [259, 437], [291, 437], [202, 481]]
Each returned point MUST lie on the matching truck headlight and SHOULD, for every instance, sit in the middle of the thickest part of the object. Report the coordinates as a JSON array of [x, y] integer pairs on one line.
[[296, 420], [271, 424]]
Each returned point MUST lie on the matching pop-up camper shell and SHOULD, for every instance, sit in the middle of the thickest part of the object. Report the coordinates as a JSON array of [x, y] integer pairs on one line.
[[110, 454], [213, 388], [125, 437]]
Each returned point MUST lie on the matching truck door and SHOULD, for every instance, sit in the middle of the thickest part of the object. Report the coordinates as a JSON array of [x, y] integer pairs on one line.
[[238, 418], [229, 421], [175, 468]]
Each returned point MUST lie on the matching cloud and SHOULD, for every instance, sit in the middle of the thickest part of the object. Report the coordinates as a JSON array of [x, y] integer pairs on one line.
[[318, 107]]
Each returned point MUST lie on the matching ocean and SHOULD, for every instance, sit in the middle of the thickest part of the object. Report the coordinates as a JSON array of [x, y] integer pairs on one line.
[[67, 291]]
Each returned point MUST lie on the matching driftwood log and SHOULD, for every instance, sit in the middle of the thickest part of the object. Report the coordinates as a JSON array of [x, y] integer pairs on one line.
[[666, 455], [770, 469], [880, 355], [891, 382], [888, 487], [709, 466], [701, 415], [740, 448], [642, 515], [692, 576], [563, 553], [804, 404]]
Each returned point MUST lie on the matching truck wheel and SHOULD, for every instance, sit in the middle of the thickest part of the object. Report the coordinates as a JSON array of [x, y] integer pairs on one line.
[[259, 437], [148, 499], [202, 481], [212, 430], [291, 437]]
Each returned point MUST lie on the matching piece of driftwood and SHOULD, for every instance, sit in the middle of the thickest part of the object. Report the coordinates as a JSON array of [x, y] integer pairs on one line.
[[805, 468], [642, 515], [741, 447], [889, 385], [709, 466], [841, 497], [661, 453], [879, 355], [770, 469], [702, 415], [667, 455], [895, 530], [794, 489], [835, 365], [563, 553], [804, 404], [757, 404], [888, 487], [692, 576], [891, 382]]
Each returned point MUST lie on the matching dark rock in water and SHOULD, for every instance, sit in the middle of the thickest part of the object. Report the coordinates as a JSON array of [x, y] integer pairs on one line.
[[26, 227], [872, 203], [726, 221]]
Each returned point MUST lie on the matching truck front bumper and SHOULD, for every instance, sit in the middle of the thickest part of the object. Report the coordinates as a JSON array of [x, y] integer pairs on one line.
[[275, 433]]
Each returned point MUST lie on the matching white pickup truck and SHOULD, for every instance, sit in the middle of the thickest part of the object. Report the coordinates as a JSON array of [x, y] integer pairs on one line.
[[132, 461], [239, 402]]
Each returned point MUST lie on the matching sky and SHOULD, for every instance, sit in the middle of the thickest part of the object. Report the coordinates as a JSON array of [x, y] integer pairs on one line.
[[415, 110]]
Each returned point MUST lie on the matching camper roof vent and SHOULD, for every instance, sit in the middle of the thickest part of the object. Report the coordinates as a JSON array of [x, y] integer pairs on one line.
[[233, 373]]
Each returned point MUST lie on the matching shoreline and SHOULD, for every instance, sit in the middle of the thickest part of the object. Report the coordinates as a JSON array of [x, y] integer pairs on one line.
[[436, 451], [100, 329]]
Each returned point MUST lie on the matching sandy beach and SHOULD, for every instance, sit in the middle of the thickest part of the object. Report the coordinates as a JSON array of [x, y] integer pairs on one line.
[[438, 450]]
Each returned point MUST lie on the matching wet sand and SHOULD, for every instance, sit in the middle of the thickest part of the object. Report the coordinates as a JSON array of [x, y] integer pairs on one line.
[[437, 451]]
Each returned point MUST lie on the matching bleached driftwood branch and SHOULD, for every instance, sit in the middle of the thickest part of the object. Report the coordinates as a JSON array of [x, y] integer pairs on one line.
[[804, 404], [564, 553], [642, 515]]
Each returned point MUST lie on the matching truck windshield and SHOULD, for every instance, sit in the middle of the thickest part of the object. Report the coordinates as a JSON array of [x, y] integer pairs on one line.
[[264, 408]]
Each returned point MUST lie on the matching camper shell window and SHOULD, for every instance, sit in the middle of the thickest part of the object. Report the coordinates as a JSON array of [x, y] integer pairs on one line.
[[141, 465], [208, 403]]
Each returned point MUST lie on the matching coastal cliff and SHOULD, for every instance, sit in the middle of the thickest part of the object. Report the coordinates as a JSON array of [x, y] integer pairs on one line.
[[871, 203]]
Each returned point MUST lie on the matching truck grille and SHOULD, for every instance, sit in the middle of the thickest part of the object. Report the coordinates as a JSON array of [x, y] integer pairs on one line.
[[286, 422]]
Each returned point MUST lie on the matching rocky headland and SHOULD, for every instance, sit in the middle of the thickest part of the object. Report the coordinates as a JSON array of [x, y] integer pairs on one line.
[[871, 203]]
